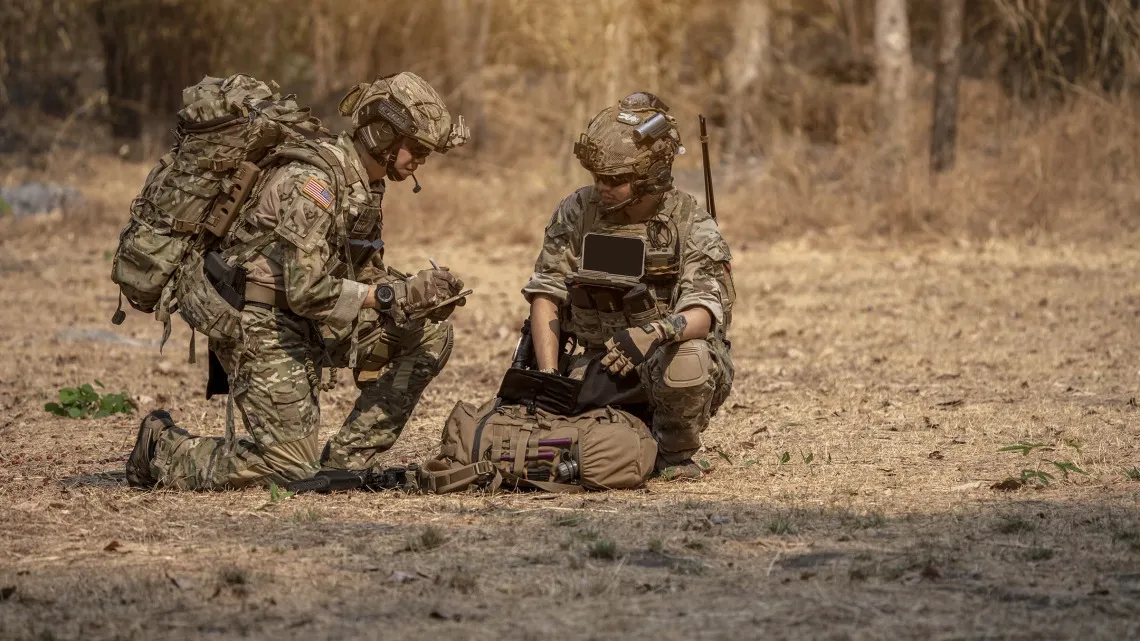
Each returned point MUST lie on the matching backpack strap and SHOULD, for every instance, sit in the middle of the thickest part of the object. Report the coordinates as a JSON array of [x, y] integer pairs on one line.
[[438, 477], [554, 488]]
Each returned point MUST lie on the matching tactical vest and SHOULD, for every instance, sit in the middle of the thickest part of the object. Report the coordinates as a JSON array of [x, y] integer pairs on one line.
[[357, 215], [355, 235], [592, 326]]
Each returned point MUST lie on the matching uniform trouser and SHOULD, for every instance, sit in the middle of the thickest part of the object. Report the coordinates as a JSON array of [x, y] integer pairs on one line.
[[684, 383], [274, 379], [396, 365]]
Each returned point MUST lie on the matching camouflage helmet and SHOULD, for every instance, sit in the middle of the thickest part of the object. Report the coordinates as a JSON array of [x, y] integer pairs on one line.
[[408, 105], [637, 136]]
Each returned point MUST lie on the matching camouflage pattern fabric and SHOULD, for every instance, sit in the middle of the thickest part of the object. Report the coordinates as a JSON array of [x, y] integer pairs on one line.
[[704, 279], [274, 385], [296, 203], [608, 145], [275, 370], [396, 369], [680, 411], [433, 125]]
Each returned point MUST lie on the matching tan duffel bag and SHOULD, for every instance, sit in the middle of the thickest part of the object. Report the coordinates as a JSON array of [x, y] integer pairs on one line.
[[516, 446]]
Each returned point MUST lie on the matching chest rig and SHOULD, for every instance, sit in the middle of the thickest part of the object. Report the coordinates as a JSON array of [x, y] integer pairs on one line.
[[358, 218], [614, 288]]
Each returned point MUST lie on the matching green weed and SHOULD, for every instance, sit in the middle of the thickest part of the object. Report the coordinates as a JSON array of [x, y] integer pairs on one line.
[[278, 494], [85, 402]]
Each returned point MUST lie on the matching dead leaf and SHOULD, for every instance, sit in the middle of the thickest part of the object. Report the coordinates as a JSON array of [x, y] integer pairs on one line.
[[951, 403], [747, 445], [112, 546], [1008, 485], [936, 455]]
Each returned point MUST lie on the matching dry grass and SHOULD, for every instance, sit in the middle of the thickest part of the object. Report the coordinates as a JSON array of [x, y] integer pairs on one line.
[[851, 497]]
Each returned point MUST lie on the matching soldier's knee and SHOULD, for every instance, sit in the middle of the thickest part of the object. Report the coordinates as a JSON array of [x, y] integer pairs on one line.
[[295, 460], [687, 365]]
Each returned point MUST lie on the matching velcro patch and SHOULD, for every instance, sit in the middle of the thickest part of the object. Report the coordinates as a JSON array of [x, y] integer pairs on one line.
[[320, 194]]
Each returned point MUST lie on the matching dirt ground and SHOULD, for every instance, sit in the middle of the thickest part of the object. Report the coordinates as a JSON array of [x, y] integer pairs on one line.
[[851, 497]]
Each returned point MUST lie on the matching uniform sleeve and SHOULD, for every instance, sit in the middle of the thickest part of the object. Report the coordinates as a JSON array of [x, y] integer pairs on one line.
[[558, 257], [305, 216], [704, 259]]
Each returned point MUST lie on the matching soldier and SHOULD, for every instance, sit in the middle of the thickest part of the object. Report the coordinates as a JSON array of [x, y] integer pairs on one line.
[[318, 293], [681, 358]]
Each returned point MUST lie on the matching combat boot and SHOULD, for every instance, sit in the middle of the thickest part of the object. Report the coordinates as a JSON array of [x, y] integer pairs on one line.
[[138, 463], [686, 470]]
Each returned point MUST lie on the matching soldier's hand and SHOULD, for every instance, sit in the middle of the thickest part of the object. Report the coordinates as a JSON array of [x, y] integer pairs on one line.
[[430, 286], [631, 347], [443, 313]]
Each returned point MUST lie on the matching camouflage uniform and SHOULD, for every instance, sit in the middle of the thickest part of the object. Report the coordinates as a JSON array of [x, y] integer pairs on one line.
[[684, 382], [316, 320]]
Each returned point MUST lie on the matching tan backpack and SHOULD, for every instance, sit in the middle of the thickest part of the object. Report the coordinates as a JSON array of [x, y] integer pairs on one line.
[[193, 194], [529, 447]]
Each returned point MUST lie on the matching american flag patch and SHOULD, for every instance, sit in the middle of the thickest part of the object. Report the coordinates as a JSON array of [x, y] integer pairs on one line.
[[318, 192]]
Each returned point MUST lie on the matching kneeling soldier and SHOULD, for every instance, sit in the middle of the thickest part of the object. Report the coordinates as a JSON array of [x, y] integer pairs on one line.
[[663, 321], [317, 211]]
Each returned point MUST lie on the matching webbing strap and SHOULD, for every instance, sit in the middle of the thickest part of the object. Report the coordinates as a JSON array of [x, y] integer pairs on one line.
[[451, 479], [557, 488]]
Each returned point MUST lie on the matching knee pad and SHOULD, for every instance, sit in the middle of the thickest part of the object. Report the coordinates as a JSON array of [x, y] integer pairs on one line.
[[687, 364]]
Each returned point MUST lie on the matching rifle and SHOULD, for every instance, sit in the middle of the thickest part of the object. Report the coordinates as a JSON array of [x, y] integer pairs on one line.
[[403, 478], [708, 168]]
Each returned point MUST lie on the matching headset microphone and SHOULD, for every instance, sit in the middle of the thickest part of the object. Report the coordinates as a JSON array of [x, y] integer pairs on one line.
[[417, 188]]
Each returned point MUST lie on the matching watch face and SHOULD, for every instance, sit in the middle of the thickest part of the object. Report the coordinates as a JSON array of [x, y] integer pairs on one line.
[[385, 294]]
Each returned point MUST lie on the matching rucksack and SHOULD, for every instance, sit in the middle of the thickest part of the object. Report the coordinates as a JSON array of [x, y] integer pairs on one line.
[[192, 196], [517, 446]]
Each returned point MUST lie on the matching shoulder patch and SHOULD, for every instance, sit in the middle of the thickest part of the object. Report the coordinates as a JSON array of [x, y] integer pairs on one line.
[[318, 192]]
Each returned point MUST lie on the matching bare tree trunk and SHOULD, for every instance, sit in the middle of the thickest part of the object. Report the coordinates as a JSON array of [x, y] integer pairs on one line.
[[894, 71], [748, 63], [945, 133], [324, 49], [124, 86]]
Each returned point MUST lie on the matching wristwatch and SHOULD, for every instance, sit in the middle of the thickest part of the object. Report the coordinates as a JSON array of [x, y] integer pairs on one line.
[[385, 297]]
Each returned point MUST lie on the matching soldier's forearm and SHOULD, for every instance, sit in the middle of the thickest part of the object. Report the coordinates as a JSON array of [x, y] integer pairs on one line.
[[544, 327], [698, 323]]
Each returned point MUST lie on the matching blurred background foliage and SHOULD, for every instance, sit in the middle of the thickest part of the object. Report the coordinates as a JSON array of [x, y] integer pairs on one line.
[[789, 83]]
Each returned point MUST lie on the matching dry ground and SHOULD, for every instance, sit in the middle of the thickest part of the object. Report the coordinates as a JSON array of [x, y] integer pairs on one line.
[[851, 498]]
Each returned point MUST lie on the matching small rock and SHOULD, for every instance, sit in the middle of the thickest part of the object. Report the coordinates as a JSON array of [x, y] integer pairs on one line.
[[81, 334], [37, 198]]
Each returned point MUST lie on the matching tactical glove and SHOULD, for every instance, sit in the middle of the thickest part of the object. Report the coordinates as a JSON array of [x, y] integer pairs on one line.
[[632, 347], [430, 286]]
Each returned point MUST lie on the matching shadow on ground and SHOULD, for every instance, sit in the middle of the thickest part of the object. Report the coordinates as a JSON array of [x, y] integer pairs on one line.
[[603, 566]]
